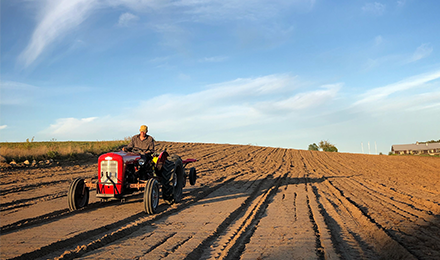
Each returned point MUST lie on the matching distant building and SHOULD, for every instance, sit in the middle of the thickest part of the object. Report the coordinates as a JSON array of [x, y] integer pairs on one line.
[[417, 148]]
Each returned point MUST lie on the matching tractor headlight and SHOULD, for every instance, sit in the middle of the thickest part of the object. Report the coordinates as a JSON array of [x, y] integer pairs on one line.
[[141, 162]]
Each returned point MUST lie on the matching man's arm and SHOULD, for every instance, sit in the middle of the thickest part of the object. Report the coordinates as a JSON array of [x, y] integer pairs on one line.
[[130, 145], [152, 150]]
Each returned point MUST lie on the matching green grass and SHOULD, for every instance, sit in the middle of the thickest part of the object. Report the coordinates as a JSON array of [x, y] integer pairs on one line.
[[29, 150]]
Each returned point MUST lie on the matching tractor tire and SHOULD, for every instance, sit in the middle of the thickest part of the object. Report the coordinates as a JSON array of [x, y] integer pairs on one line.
[[192, 176], [77, 195], [172, 188], [151, 196]]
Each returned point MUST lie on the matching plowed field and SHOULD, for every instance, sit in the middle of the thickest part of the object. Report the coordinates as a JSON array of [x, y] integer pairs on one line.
[[249, 202]]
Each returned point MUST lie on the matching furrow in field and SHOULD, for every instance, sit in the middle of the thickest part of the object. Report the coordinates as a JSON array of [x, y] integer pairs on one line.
[[110, 229], [196, 228], [190, 223], [249, 202], [401, 204], [231, 242], [408, 233], [404, 221], [9, 218], [27, 187], [340, 209], [58, 215], [29, 201]]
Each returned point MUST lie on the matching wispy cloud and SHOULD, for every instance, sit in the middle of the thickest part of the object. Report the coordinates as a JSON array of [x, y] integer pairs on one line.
[[215, 110], [310, 99], [421, 52], [74, 127], [127, 19], [58, 17], [214, 59], [378, 40], [16, 93], [183, 76], [380, 93], [375, 8], [401, 3], [3, 127]]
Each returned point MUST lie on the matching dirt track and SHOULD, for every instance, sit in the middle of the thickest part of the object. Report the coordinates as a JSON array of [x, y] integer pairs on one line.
[[249, 202]]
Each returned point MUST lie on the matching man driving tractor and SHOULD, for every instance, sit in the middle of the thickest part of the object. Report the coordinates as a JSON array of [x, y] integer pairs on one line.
[[142, 141]]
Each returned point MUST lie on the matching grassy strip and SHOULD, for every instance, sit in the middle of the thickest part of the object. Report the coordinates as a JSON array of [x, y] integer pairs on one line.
[[22, 151]]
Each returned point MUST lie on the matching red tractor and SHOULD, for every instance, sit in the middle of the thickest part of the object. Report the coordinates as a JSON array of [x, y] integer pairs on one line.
[[121, 174]]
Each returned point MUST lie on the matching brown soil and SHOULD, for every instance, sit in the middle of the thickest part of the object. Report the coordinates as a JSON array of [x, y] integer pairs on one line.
[[249, 202]]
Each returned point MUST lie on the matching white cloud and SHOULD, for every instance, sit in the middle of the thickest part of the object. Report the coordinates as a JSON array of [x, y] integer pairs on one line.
[[275, 110], [58, 18], [309, 99], [214, 59], [21, 94], [380, 93], [380, 61], [127, 19], [421, 52], [401, 3], [378, 40], [183, 76], [16, 93], [207, 115], [375, 8], [3, 127], [72, 128]]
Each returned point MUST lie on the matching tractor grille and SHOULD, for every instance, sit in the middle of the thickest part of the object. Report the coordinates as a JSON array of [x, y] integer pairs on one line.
[[109, 168]]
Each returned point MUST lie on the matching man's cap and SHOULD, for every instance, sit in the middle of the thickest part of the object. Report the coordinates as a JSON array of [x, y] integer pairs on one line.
[[144, 128]]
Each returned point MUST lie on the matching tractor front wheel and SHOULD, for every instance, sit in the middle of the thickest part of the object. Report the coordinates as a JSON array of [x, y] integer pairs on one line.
[[151, 196], [77, 195]]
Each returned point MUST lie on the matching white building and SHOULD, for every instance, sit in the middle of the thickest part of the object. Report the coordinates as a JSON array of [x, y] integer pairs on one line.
[[417, 148]]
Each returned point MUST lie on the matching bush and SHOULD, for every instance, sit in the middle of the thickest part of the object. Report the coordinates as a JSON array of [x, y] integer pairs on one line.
[[313, 147], [323, 146], [327, 147]]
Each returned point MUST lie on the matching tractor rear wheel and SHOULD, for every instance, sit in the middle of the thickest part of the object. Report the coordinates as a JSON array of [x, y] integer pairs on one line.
[[151, 196], [172, 189], [77, 195]]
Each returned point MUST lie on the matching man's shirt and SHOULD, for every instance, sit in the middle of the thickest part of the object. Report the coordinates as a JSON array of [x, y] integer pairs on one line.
[[147, 145]]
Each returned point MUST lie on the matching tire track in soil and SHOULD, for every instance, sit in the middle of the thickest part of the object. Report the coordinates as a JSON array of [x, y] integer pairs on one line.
[[31, 187], [341, 209], [125, 231], [199, 236], [29, 201], [382, 189], [231, 239], [49, 217], [343, 206], [392, 216], [112, 232], [52, 216], [292, 226]]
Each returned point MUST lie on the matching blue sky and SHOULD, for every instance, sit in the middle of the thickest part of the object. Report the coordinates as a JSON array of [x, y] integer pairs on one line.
[[269, 73]]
